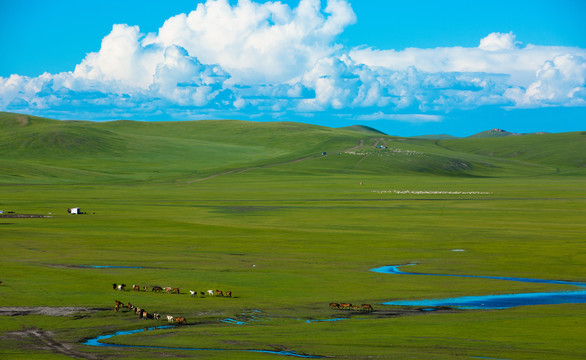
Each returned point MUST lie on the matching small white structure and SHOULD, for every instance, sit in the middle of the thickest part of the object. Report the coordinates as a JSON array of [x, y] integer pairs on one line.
[[75, 210]]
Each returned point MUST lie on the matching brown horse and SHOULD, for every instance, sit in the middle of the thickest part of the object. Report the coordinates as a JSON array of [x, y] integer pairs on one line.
[[367, 307], [180, 321], [229, 294], [345, 306], [334, 306], [157, 289]]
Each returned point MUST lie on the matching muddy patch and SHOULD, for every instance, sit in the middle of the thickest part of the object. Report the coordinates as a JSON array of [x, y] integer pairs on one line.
[[38, 339], [46, 310]]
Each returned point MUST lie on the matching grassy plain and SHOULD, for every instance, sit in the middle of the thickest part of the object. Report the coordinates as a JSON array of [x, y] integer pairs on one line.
[[199, 205]]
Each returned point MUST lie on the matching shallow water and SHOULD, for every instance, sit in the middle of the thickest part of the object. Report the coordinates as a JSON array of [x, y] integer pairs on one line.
[[97, 342], [494, 301]]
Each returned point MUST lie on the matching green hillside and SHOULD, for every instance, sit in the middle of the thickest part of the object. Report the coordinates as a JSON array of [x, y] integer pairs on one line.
[[39, 150]]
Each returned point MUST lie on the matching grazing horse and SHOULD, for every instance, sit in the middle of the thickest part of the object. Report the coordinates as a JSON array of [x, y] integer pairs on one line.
[[367, 307], [145, 288], [180, 321], [345, 306], [193, 292], [135, 287], [219, 293], [211, 292], [157, 289], [334, 306], [118, 305], [156, 316], [175, 291], [168, 289], [229, 294], [121, 287], [355, 307], [114, 286], [202, 294], [170, 318]]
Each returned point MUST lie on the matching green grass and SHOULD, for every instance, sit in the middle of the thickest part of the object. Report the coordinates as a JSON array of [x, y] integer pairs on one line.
[[310, 229]]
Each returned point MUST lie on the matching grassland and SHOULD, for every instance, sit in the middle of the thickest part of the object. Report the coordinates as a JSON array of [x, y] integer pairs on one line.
[[255, 208]]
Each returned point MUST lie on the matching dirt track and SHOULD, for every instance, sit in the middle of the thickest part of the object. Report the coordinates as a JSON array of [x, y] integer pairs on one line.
[[43, 340], [44, 310]]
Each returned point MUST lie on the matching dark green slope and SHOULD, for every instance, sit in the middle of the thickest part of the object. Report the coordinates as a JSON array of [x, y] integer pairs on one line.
[[37, 150], [564, 151]]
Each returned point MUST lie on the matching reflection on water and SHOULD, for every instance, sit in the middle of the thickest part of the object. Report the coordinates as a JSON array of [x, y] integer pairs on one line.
[[494, 301]]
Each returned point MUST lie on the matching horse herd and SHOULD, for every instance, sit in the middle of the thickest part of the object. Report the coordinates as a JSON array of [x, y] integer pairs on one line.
[[347, 306], [143, 314], [172, 290]]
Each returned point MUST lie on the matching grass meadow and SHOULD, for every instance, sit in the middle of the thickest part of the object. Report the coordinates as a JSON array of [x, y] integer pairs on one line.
[[287, 238]]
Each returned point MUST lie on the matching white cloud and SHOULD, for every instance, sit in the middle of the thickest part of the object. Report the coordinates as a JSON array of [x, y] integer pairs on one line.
[[560, 81], [498, 41], [258, 43], [411, 118], [251, 59]]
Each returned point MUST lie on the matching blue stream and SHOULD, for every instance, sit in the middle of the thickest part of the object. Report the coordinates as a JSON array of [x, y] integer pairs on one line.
[[96, 342], [494, 301]]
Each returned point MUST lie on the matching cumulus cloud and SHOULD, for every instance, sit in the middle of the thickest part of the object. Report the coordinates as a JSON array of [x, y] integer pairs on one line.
[[248, 59], [560, 81], [498, 41]]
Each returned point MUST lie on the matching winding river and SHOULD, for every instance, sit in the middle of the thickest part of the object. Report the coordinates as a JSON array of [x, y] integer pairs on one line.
[[502, 301], [97, 342]]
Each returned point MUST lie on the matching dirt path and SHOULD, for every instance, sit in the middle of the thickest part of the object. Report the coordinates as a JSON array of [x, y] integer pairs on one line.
[[43, 340], [44, 310]]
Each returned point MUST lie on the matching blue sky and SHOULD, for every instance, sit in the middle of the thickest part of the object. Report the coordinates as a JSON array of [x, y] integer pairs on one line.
[[405, 68]]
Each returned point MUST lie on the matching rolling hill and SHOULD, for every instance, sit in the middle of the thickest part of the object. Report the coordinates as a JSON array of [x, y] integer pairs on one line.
[[40, 150]]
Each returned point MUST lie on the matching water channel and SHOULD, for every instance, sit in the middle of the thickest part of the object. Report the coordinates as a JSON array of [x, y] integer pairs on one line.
[[502, 301]]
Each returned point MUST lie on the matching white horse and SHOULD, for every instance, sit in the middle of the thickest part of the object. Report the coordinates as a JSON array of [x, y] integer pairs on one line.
[[211, 292], [170, 318], [193, 292]]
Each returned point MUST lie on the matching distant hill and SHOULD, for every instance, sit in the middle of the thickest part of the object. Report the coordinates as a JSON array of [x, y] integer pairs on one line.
[[363, 128], [493, 133], [40, 150]]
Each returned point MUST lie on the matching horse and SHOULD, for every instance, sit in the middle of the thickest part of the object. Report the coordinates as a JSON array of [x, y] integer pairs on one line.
[[168, 289], [170, 318], [193, 293], [202, 294], [121, 287], [345, 306], [229, 294], [180, 321], [135, 287], [156, 316], [145, 288], [175, 291], [219, 293], [367, 307], [157, 289], [334, 306], [114, 286], [211, 292], [355, 307]]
